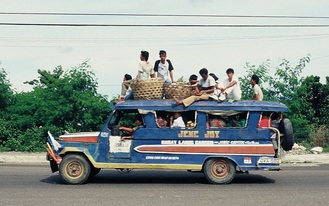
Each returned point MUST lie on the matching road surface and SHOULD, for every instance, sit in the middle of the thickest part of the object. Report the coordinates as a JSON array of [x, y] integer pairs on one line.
[[36, 185]]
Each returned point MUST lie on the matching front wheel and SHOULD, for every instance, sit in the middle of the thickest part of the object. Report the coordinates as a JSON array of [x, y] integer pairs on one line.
[[74, 169], [219, 170]]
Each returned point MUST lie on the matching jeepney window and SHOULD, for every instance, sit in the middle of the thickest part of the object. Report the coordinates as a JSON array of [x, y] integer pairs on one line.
[[227, 119], [163, 118], [190, 118], [122, 118], [269, 119]]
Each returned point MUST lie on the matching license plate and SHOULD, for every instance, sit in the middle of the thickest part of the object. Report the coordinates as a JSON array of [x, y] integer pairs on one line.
[[269, 160]]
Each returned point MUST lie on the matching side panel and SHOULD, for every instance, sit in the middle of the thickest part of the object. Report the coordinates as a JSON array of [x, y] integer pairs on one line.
[[183, 148]]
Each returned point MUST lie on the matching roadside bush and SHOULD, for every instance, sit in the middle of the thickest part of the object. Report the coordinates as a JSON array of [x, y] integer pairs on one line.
[[31, 140], [320, 135]]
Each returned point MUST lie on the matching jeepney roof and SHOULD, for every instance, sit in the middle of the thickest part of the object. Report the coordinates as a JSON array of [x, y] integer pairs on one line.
[[170, 105]]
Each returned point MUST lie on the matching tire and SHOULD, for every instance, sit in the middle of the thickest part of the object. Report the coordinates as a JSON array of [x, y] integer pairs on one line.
[[219, 170], [287, 141], [74, 169]]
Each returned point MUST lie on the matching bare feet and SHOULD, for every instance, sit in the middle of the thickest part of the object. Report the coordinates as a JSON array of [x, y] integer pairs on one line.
[[178, 102]]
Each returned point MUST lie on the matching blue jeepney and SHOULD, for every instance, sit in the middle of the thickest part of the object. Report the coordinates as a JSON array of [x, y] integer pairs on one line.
[[219, 139]]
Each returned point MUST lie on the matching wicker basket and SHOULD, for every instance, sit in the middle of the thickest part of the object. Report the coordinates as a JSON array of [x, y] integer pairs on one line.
[[148, 89], [179, 89]]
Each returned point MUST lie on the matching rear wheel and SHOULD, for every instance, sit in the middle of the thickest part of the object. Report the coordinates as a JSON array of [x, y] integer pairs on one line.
[[219, 170], [285, 127], [74, 169]]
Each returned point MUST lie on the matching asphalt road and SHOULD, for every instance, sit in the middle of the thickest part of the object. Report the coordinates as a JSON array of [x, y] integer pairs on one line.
[[36, 185]]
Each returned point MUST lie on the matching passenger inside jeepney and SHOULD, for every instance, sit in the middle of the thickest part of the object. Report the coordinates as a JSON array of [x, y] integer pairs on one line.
[[161, 119], [275, 119], [266, 122], [176, 120], [128, 132], [216, 121], [237, 120]]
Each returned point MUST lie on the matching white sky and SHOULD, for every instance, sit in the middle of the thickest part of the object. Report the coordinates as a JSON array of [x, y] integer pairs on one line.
[[114, 51]]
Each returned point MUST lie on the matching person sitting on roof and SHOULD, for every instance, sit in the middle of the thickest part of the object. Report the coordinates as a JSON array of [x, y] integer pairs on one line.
[[203, 91], [258, 93], [231, 86], [126, 92]]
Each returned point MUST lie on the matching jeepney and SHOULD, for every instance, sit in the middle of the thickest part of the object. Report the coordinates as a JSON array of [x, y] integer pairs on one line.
[[220, 139]]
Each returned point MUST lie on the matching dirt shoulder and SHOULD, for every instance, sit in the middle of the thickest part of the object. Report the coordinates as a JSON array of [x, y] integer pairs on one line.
[[322, 158], [23, 157]]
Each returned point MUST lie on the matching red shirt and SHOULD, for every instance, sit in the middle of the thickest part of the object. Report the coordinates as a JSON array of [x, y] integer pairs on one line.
[[265, 122]]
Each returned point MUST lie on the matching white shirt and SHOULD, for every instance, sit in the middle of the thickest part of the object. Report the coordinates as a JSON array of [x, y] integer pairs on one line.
[[163, 71], [178, 122], [259, 92], [217, 90], [233, 92], [146, 69], [209, 82]]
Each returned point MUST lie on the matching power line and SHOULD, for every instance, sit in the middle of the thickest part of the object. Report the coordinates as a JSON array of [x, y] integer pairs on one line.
[[167, 25], [164, 15], [185, 38]]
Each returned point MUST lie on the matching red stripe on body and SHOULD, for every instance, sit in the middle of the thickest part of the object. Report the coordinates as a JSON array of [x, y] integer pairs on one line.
[[268, 149], [90, 139]]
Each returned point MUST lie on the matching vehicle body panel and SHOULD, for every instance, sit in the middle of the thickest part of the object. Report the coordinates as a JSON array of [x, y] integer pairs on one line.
[[249, 147]]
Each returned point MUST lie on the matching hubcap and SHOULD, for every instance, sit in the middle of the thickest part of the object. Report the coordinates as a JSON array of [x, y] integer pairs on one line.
[[219, 169], [74, 169]]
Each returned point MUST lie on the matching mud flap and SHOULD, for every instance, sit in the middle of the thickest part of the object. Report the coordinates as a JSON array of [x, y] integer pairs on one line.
[[53, 166]]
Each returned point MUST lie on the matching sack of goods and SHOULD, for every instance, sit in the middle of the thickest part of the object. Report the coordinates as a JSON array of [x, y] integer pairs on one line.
[[148, 89], [180, 90]]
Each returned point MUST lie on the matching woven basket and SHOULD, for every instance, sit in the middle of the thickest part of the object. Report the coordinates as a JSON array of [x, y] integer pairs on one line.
[[179, 89], [148, 89]]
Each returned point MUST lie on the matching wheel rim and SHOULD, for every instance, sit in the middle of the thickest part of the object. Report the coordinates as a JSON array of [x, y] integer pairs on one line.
[[74, 169], [220, 169]]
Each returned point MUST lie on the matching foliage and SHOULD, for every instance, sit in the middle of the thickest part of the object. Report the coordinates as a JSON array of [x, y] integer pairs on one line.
[[306, 99], [60, 100], [320, 136], [262, 71], [5, 91], [181, 79], [286, 80], [68, 100]]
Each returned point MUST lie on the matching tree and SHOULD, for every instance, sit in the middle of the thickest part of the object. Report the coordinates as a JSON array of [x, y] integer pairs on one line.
[[286, 80], [283, 86], [60, 100], [69, 99], [262, 71], [6, 93]]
